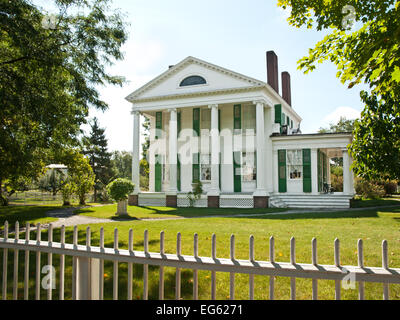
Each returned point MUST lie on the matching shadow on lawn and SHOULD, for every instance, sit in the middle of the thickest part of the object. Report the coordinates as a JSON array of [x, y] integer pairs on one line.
[[367, 213]]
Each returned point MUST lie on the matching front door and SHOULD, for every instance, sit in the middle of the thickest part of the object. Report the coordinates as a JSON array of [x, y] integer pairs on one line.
[[158, 174]]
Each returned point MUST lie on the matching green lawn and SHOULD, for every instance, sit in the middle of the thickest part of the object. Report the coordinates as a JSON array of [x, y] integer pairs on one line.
[[359, 203], [24, 214], [370, 225], [108, 212]]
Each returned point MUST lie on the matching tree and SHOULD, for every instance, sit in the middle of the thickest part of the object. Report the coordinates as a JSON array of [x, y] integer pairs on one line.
[[80, 174], [95, 148], [376, 147], [119, 189], [49, 77], [52, 181], [369, 54], [121, 162], [343, 125]]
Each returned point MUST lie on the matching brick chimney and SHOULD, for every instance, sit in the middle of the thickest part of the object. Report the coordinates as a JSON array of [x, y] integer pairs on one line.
[[272, 70], [286, 91]]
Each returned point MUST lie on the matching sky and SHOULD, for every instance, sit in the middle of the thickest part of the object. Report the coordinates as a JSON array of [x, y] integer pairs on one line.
[[233, 34]]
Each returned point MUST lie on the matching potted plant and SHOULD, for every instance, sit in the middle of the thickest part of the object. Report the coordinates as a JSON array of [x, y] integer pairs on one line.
[[119, 189]]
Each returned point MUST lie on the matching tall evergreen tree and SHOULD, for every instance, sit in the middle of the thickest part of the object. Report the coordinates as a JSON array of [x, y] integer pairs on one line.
[[95, 147]]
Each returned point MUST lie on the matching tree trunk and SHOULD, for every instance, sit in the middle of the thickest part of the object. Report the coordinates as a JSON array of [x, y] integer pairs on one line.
[[3, 200]]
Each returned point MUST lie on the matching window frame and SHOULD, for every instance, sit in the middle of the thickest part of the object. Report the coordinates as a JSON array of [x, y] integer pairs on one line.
[[297, 166]]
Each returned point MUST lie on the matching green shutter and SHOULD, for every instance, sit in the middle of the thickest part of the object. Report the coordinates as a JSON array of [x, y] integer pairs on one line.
[[282, 170], [158, 173], [306, 170], [178, 173], [291, 124], [320, 176], [237, 116], [237, 176], [288, 121], [196, 167], [196, 121], [158, 125], [278, 114], [179, 122]]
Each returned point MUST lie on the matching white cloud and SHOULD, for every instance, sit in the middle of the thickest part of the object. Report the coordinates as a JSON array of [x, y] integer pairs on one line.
[[334, 117]]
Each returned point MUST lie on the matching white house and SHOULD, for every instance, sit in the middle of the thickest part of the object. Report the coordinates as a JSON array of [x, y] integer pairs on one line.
[[235, 134]]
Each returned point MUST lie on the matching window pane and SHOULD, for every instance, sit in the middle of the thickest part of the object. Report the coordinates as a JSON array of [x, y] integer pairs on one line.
[[206, 119]]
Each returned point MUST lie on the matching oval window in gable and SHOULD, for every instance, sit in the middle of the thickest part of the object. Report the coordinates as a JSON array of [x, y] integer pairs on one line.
[[193, 81]]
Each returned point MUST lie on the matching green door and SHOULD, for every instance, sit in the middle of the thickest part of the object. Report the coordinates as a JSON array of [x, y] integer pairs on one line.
[[237, 177], [306, 170], [282, 170], [158, 174]]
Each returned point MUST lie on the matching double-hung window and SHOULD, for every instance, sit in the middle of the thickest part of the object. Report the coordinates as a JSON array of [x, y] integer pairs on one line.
[[205, 167], [249, 170], [249, 119], [294, 162]]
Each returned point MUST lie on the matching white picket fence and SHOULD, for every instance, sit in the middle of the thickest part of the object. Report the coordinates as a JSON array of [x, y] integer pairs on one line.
[[88, 266]]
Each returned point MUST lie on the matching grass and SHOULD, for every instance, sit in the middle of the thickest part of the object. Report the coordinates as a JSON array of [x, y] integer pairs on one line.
[[365, 203], [25, 214], [370, 225], [108, 212]]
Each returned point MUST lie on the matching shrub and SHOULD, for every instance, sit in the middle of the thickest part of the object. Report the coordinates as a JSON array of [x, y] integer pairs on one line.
[[337, 183], [369, 189], [196, 193], [390, 187], [119, 189]]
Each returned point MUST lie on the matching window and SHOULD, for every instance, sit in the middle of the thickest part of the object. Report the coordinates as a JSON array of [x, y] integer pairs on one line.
[[295, 164], [249, 170], [249, 118], [205, 167], [193, 81], [205, 119]]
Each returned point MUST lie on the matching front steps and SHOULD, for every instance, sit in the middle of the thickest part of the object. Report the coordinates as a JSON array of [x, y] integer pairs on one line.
[[324, 201]]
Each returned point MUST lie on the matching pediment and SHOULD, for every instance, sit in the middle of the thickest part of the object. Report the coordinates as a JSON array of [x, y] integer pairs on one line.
[[216, 78]]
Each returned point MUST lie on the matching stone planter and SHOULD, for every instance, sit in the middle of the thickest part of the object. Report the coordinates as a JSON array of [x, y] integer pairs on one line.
[[122, 208]]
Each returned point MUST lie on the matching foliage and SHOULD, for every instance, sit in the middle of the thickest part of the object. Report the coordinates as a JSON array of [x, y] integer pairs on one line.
[[121, 162], [144, 174], [95, 148], [376, 146], [79, 171], [369, 54], [337, 182], [390, 187], [49, 75], [195, 195], [67, 190], [369, 189], [119, 189], [343, 125], [52, 181]]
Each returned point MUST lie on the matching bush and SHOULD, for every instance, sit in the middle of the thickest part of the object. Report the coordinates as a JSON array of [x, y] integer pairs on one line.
[[337, 183], [390, 187], [369, 189], [119, 189]]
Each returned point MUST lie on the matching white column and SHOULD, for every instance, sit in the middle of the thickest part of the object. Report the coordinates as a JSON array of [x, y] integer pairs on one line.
[[136, 152], [215, 149], [268, 154], [173, 152], [348, 185], [314, 171], [260, 141], [328, 168]]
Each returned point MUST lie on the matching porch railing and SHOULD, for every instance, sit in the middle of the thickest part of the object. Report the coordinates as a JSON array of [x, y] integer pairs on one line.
[[88, 266]]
